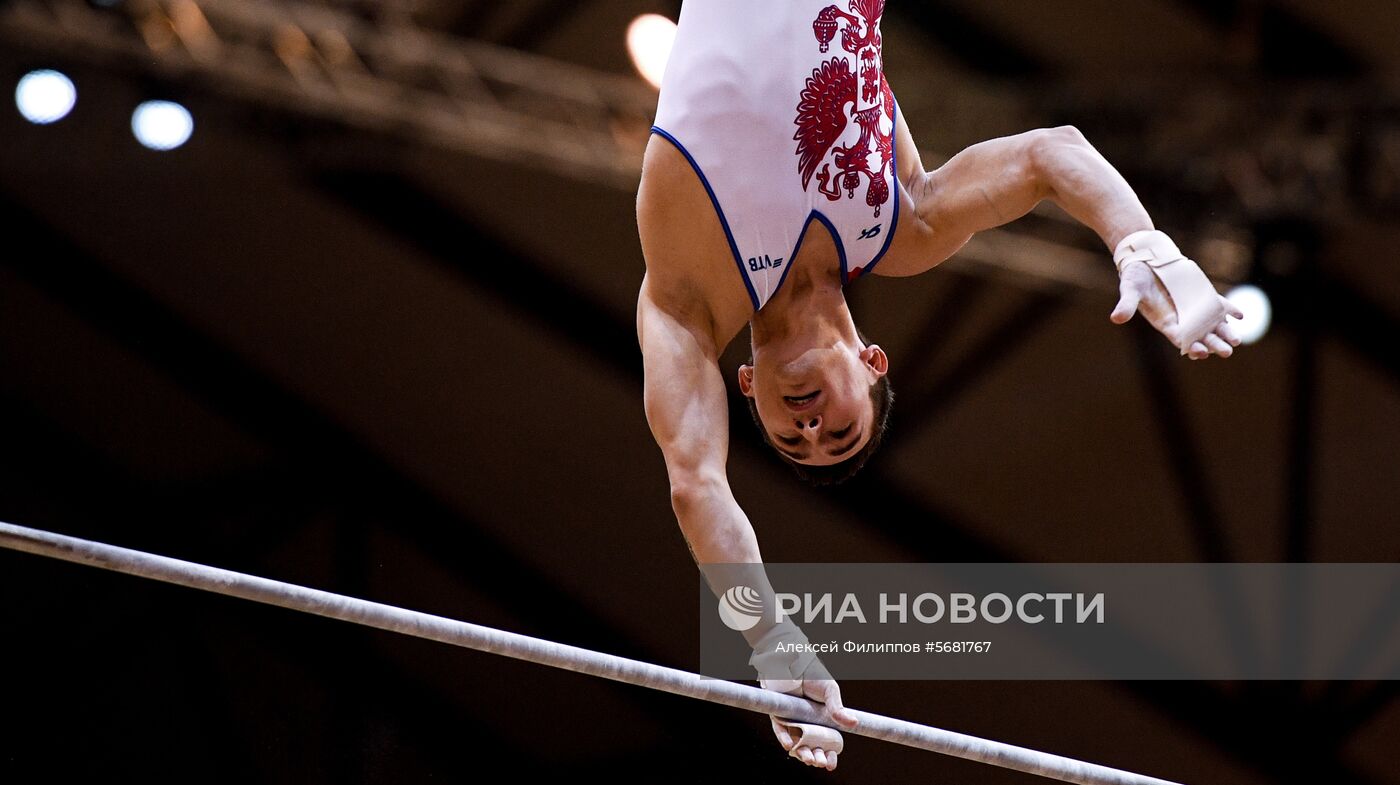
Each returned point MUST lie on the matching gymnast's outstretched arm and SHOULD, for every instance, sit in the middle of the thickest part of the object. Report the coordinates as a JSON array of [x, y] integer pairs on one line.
[[997, 181], [686, 408]]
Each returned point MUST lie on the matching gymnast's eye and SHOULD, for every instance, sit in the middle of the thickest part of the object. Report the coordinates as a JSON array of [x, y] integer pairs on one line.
[[790, 441], [841, 434]]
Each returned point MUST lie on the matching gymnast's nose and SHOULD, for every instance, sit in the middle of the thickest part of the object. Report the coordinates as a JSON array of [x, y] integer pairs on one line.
[[811, 428]]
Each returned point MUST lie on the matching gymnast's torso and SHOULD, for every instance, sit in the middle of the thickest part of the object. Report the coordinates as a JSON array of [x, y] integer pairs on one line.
[[783, 111]]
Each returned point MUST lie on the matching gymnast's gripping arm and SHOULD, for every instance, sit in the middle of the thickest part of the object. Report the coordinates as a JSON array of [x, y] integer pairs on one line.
[[686, 408], [997, 181]]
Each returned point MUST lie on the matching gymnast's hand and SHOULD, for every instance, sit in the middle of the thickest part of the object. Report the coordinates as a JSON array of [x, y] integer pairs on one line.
[[814, 745], [1141, 291]]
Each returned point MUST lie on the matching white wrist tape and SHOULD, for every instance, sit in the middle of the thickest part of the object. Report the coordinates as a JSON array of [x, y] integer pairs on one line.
[[1198, 306], [782, 671]]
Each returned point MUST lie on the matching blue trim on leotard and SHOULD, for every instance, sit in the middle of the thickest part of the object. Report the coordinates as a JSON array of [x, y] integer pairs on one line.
[[792, 257], [733, 247], [817, 214]]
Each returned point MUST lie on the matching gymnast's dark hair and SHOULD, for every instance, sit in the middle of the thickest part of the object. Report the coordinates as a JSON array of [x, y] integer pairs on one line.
[[881, 401]]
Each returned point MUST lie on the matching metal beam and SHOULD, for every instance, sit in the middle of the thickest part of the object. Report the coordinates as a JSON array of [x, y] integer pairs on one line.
[[320, 61]]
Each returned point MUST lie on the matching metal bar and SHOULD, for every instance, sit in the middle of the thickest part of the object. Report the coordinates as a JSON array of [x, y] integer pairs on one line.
[[557, 655]]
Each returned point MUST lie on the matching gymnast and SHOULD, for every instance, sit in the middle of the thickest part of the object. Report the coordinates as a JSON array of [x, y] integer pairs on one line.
[[778, 150]]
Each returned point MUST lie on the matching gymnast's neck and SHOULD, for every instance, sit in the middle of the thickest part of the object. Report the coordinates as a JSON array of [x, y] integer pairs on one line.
[[811, 307]]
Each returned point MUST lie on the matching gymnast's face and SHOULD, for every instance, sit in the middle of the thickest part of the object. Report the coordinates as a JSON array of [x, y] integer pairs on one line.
[[815, 406]]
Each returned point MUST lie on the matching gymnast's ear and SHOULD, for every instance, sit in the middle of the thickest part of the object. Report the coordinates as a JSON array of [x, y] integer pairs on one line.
[[746, 380], [874, 357]]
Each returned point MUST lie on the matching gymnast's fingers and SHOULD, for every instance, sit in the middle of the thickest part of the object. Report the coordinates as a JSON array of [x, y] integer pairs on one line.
[[1127, 303], [1231, 308], [1227, 332], [781, 731], [829, 693], [1215, 344]]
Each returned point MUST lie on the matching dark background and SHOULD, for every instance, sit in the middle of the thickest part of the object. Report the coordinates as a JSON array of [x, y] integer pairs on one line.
[[371, 331]]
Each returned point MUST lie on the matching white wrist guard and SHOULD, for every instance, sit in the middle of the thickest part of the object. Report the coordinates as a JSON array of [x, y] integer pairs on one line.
[[1198, 306], [782, 671]]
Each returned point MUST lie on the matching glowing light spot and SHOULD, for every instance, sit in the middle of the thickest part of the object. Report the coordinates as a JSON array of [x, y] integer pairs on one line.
[[162, 125], [1258, 312], [649, 41], [45, 97]]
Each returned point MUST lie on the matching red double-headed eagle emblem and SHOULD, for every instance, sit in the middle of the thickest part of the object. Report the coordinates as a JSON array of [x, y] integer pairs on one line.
[[834, 95]]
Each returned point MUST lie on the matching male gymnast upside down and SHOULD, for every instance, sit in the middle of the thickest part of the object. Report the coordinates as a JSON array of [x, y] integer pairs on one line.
[[778, 150]]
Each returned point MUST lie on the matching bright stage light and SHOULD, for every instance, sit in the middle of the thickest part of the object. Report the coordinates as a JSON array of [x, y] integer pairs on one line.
[[162, 125], [649, 40], [45, 97], [1258, 312]]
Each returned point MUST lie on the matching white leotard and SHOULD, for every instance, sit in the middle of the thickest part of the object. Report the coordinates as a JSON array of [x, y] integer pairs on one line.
[[782, 108]]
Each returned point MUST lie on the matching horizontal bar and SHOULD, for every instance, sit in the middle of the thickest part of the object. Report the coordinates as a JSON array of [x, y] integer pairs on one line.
[[556, 655]]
